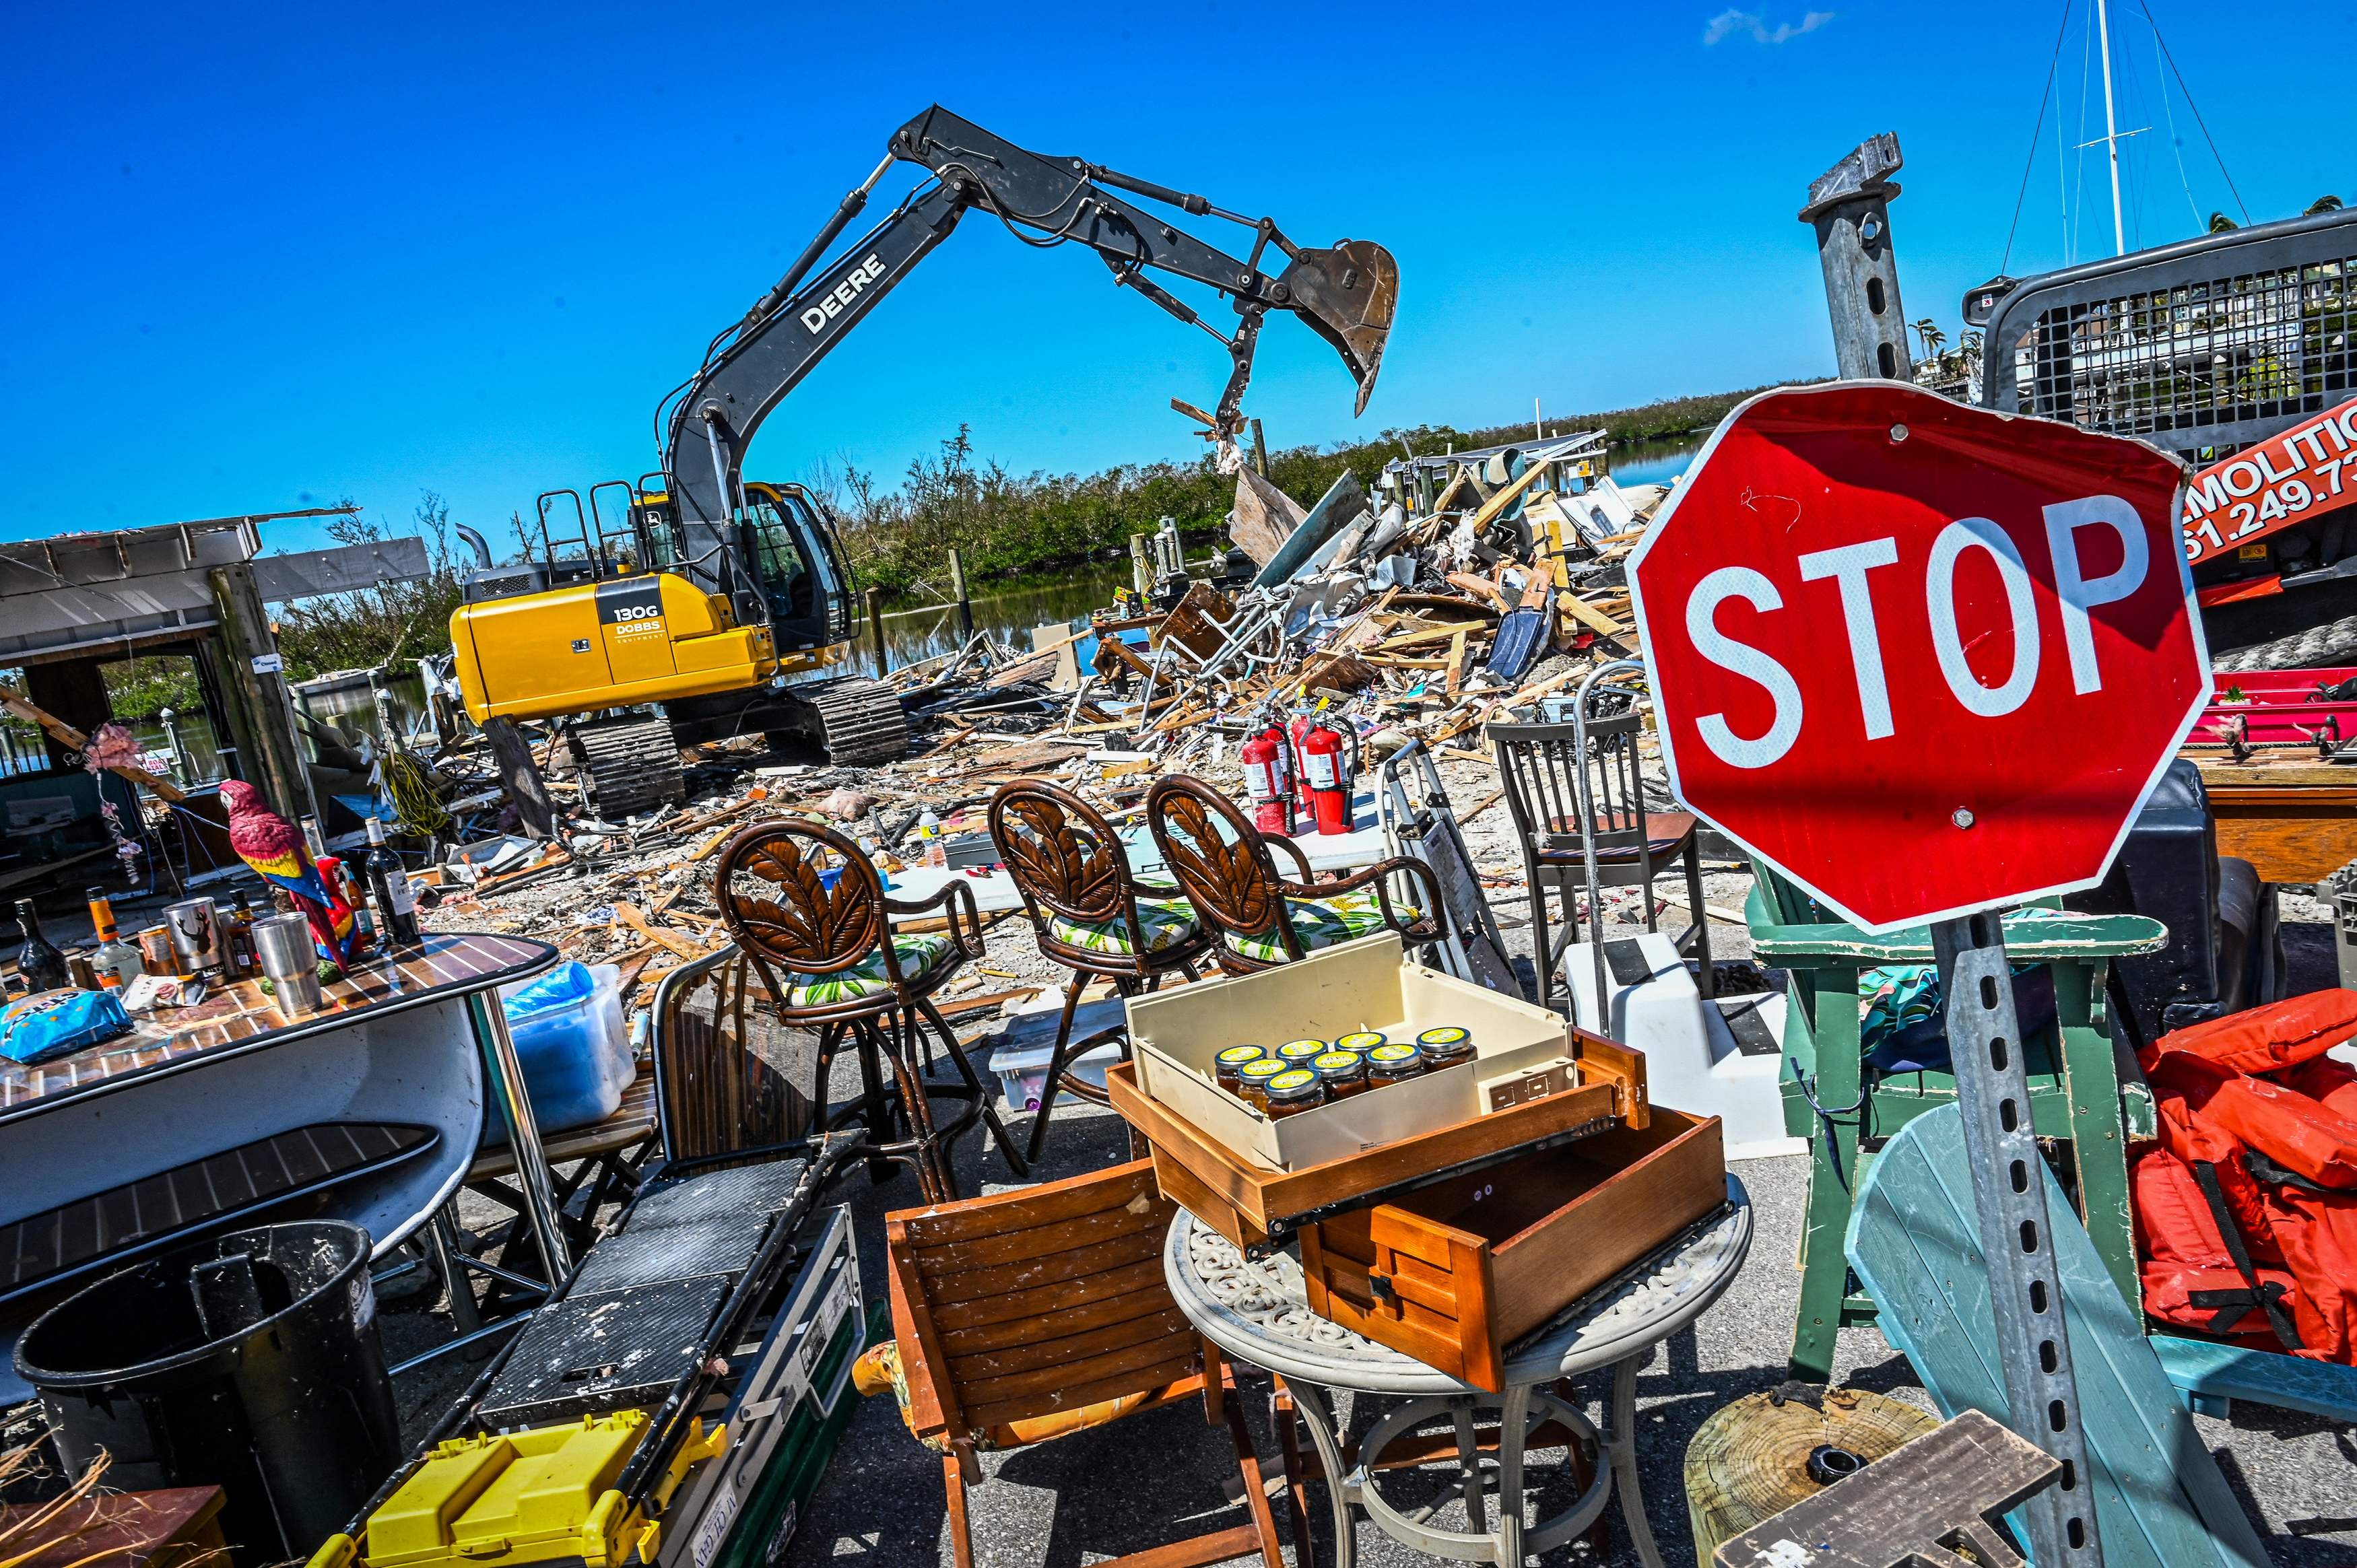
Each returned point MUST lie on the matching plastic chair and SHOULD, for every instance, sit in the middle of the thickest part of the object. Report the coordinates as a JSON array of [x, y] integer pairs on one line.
[[1088, 913], [1225, 867], [809, 913], [1574, 787], [989, 1359]]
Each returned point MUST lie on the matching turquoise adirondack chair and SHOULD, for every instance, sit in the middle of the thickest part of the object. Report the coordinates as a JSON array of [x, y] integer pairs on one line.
[[2084, 1089], [2160, 1500]]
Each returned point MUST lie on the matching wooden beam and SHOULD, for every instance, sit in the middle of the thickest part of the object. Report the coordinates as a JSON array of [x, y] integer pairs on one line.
[[72, 739]]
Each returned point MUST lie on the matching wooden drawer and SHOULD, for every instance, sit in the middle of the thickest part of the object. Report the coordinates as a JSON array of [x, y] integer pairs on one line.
[[1456, 1272], [1257, 1207]]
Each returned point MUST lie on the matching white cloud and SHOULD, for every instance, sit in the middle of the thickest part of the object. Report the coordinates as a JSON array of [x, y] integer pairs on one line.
[[1732, 23]]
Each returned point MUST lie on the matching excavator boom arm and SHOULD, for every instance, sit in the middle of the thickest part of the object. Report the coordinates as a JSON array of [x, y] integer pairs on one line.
[[1347, 293]]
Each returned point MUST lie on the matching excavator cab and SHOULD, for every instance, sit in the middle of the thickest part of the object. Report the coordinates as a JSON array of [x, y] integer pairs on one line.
[[792, 551]]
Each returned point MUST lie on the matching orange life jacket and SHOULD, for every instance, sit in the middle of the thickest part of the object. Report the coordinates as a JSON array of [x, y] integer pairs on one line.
[[2247, 1212]]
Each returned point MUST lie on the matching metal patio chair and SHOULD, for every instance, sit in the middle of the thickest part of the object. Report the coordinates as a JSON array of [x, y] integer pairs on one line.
[[1226, 868], [1088, 913], [809, 913]]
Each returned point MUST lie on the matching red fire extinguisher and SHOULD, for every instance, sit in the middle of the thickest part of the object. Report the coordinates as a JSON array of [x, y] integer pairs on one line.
[[1263, 758], [1296, 731], [1329, 768]]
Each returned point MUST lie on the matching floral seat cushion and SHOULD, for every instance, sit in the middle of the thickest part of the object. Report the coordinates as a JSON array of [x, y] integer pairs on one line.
[[1322, 922], [918, 956], [1164, 921]]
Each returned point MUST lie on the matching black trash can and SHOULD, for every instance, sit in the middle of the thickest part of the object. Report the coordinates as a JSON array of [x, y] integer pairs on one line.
[[249, 1361]]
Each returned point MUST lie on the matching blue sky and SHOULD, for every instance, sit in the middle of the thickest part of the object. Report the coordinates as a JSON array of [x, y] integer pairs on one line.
[[270, 256]]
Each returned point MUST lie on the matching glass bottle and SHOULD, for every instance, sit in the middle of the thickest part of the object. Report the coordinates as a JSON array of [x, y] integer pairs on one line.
[[388, 886], [40, 966], [237, 940], [116, 962]]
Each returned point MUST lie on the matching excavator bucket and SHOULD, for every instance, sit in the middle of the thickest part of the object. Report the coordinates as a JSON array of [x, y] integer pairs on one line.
[[1347, 294]]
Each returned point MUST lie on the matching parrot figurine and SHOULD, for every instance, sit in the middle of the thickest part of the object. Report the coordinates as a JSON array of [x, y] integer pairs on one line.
[[273, 847]]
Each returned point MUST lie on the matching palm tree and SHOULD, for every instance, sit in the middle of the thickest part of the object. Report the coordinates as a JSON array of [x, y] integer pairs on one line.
[[1929, 330]]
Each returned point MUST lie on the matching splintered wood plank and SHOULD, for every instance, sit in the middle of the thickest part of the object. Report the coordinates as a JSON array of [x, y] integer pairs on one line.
[[1589, 616]]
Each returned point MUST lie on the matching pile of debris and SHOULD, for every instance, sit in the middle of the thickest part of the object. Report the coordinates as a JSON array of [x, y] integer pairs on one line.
[[1470, 586]]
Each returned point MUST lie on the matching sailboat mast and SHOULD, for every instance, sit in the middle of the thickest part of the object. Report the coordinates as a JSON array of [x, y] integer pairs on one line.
[[2110, 127]]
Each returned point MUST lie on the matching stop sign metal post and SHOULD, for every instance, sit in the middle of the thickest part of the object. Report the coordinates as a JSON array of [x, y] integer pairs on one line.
[[1926, 662]]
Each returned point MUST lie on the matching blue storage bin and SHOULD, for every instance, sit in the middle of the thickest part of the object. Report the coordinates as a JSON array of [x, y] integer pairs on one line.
[[569, 1036]]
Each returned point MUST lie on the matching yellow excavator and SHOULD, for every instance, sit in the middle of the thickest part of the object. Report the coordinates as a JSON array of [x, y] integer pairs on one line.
[[694, 604]]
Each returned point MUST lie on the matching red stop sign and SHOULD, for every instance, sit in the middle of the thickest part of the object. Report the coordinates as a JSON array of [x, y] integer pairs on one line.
[[1920, 657]]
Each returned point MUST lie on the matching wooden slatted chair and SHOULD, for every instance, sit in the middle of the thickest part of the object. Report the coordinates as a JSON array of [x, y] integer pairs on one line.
[[1088, 913], [1226, 868], [1030, 1314]]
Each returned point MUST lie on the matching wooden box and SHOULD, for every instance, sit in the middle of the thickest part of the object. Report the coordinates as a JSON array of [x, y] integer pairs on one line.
[[1363, 984], [1454, 1273], [1258, 1209]]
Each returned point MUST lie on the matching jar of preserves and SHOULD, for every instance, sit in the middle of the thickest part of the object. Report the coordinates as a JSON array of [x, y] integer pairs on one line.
[[1293, 1091], [1362, 1042], [1251, 1081], [1345, 1073], [1228, 1063], [1301, 1053], [1394, 1064], [1445, 1047]]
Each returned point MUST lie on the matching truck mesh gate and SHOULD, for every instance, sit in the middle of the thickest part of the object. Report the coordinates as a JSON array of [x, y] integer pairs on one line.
[[2199, 348]]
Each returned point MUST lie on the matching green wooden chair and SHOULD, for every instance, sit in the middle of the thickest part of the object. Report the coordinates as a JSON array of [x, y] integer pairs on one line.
[[2084, 1090]]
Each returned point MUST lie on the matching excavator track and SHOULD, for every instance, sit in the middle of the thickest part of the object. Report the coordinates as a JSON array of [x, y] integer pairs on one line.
[[859, 722], [627, 766]]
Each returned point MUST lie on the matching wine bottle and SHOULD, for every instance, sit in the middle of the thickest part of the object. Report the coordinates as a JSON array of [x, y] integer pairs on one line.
[[388, 886], [116, 964], [39, 965]]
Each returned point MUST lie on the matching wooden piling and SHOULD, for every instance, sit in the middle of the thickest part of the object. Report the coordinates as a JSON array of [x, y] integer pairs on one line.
[[875, 631], [957, 590], [1141, 571], [252, 682]]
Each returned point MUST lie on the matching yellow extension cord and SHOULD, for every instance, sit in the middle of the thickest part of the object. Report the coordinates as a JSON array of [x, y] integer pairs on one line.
[[411, 785]]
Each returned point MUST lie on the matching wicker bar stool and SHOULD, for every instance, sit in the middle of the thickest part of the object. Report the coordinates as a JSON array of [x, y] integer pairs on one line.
[[1225, 867], [1088, 913], [809, 913]]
